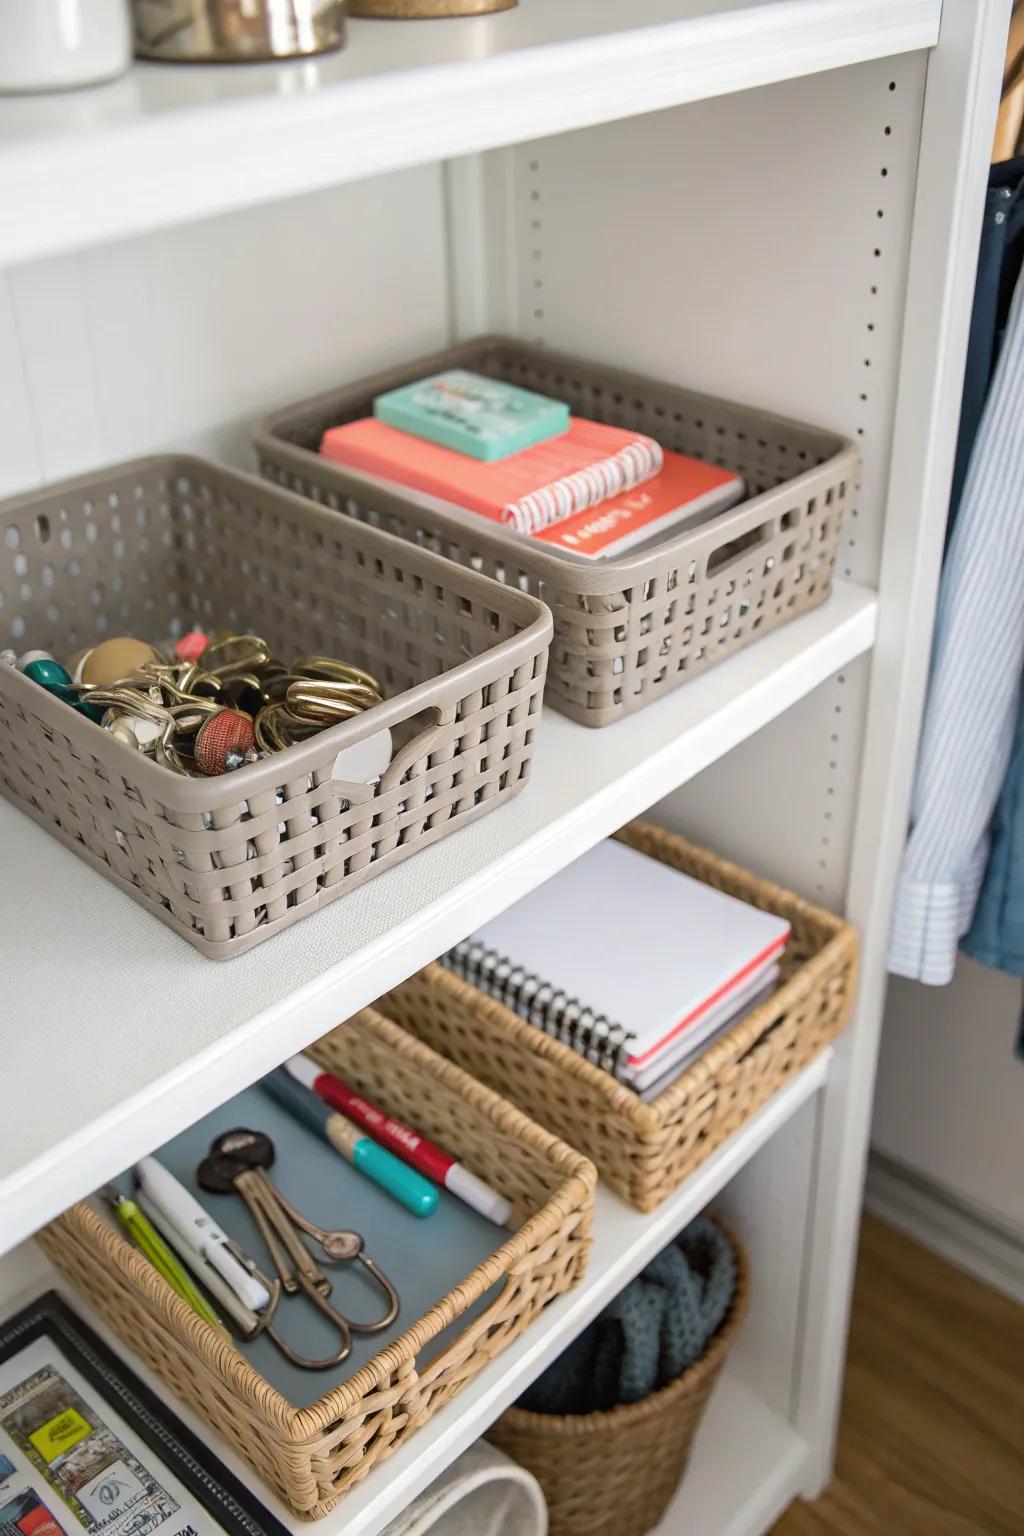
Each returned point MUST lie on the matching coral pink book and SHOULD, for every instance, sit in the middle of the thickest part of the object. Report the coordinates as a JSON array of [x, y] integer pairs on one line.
[[685, 493], [529, 490]]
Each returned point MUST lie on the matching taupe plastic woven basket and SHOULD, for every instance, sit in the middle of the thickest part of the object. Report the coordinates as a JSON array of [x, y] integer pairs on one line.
[[155, 547], [627, 630], [614, 1473], [312, 1456], [645, 1151]]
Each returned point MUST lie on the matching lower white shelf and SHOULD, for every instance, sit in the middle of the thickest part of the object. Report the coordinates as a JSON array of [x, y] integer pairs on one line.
[[750, 1467], [745, 1468]]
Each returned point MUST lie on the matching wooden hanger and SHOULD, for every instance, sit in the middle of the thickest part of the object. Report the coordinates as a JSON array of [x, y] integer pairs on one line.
[[1010, 121]]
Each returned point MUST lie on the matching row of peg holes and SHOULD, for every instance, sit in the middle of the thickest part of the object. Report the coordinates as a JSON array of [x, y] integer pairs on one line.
[[825, 840]]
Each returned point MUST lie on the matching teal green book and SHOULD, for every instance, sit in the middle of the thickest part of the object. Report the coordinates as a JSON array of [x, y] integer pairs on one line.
[[480, 417]]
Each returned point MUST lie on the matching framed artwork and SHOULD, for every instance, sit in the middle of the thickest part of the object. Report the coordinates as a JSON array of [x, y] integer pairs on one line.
[[86, 1449]]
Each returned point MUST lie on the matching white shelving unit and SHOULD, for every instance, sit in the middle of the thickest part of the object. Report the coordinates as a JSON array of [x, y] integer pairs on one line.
[[775, 200]]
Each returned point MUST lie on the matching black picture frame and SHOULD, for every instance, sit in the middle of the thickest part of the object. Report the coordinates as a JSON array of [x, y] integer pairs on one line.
[[210, 1483]]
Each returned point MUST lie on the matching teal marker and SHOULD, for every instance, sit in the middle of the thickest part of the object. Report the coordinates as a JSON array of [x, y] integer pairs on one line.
[[407, 1186]]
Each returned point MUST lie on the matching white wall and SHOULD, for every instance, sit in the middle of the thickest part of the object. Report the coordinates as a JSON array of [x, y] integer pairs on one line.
[[950, 1098]]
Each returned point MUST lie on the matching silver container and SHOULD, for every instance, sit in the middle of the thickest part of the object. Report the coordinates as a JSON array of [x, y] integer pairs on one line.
[[236, 31]]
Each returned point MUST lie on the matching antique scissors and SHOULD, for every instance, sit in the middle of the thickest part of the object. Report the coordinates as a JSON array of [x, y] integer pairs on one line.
[[238, 1163]]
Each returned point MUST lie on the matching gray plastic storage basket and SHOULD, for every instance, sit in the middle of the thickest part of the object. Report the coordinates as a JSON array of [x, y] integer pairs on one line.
[[627, 630], [162, 545]]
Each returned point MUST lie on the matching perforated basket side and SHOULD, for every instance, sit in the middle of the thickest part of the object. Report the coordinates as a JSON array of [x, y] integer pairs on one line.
[[626, 630], [162, 545]]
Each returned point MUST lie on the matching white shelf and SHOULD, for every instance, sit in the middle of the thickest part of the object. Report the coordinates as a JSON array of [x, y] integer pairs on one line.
[[169, 143], [749, 1459], [745, 1469], [141, 1035]]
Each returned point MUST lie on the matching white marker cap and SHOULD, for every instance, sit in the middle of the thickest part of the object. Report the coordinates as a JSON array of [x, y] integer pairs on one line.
[[478, 1194]]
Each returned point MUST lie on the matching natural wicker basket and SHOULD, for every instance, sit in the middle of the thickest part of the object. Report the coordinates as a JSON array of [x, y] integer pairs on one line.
[[644, 1151], [614, 1473], [162, 545], [311, 1456], [627, 630]]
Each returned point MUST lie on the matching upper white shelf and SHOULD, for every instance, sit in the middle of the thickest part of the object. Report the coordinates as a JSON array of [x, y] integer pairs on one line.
[[169, 143], [115, 1034]]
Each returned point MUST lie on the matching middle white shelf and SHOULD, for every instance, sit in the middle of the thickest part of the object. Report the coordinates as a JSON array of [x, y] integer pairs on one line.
[[159, 1036]]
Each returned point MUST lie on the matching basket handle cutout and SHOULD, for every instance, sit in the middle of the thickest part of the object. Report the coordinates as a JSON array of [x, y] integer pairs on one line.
[[736, 550]]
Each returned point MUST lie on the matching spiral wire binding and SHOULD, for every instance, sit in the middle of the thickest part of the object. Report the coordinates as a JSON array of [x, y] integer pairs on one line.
[[591, 1035]]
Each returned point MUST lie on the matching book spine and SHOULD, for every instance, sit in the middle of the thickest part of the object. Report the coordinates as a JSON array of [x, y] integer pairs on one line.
[[640, 460], [592, 1035]]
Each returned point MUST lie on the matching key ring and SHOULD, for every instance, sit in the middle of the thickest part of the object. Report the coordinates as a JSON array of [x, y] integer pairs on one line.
[[255, 653]]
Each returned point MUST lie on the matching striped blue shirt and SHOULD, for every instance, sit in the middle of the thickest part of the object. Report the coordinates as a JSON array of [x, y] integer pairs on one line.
[[977, 654]]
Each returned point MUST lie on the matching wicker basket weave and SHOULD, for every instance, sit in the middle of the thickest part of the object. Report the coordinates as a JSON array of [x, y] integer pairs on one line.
[[644, 1151], [162, 545], [311, 1456], [614, 1473], [630, 629]]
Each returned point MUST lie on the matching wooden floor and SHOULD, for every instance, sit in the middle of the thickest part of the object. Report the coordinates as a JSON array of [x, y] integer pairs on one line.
[[932, 1435]]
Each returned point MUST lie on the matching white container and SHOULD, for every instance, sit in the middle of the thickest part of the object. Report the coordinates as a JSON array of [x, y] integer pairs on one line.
[[49, 45], [482, 1493]]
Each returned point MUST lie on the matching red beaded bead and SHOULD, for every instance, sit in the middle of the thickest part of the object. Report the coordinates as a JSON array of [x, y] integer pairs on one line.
[[227, 731]]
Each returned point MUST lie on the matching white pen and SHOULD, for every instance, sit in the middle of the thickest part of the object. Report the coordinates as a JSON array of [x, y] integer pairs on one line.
[[242, 1316], [198, 1230]]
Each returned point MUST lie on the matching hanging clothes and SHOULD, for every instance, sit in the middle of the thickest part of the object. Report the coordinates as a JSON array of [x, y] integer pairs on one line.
[[971, 712], [996, 935], [1000, 255]]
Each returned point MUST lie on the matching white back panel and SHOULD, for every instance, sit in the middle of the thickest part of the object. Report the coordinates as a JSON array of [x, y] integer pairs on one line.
[[181, 339], [754, 247]]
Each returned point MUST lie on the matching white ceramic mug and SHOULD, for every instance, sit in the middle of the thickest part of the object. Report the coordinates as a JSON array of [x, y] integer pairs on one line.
[[49, 45]]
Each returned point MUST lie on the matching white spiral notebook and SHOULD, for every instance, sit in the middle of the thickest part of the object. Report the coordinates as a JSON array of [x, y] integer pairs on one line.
[[629, 961]]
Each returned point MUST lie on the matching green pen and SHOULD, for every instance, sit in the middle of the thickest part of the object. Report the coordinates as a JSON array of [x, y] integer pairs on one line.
[[152, 1246]]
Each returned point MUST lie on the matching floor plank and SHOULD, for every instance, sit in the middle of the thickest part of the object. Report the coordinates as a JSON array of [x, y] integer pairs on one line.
[[932, 1436]]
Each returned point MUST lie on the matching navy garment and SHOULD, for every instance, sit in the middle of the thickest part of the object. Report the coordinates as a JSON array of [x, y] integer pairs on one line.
[[999, 262]]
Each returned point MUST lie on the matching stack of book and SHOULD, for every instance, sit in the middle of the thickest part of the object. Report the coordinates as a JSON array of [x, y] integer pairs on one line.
[[583, 488], [635, 965]]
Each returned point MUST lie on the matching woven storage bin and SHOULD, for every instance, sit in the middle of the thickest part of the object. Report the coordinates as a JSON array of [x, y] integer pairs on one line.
[[614, 1473], [311, 1456], [159, 546], [627, 630], [644, 1151]]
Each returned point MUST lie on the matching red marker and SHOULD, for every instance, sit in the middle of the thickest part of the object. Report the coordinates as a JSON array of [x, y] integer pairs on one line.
[[423, 1155]]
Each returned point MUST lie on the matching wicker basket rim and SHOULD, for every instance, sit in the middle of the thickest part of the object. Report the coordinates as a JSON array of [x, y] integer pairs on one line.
[[578, 1425], [650, 1118], [306, 1426]]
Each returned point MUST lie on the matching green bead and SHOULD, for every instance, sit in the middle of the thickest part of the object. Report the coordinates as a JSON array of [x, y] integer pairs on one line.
[[49, 674]]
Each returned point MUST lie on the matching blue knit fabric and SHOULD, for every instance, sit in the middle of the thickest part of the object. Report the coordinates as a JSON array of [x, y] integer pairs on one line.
[[658, 1326]]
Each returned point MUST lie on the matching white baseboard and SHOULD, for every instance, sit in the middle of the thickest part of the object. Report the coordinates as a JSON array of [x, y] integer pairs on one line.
[[939, 1222]]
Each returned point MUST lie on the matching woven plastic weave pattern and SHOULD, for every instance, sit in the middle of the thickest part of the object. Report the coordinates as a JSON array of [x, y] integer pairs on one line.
[[631, 629], [161, 546]]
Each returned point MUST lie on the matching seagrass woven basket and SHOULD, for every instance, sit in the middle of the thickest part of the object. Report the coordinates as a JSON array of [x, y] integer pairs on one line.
[[644, 1151], [311, 1456], [161, 546], [614, 1473], [632, 628]]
